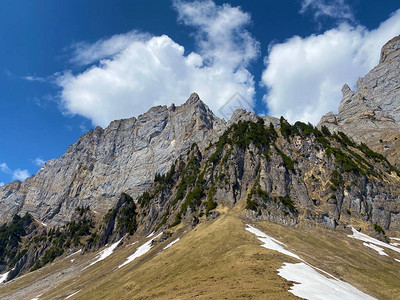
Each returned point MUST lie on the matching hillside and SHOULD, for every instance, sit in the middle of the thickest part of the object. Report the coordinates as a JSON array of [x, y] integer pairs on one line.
[[218, 259], [174, 204]]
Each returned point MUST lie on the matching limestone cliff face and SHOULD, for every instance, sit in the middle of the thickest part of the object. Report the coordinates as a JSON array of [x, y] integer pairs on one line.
[[106, 162], [372, 113]]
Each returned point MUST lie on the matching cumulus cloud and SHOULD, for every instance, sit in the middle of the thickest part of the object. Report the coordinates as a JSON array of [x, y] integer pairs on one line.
[[143, 71], [16, 174], [220, 32], [20, 175], [336, 9], [5, 169], [86, 53], [304, 76], [38, 161]]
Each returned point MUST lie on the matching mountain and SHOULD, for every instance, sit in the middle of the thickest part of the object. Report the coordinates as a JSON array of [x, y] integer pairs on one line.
[[173, 204], [371, 114], [103, 163]]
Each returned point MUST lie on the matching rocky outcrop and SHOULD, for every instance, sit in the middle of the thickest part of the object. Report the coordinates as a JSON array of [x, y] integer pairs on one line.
[[295, 177], [371, 114], [105, 162]]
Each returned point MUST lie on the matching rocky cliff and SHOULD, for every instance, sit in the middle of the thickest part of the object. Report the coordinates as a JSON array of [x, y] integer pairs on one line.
[[371, 114], [106, 162], [296, 175]]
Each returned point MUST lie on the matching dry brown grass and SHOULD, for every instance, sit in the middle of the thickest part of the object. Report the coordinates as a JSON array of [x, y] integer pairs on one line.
[[215, 261], [220, 260]]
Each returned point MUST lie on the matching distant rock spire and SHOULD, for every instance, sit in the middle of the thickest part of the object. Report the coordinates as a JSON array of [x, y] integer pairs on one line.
[[194, 98], [390, 49]]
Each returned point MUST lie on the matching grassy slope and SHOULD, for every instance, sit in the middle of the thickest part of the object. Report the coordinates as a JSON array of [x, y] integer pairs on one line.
[[343, 257], [220, 260]]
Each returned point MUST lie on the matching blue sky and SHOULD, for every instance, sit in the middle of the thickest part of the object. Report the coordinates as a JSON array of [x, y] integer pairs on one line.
[[68, 66]]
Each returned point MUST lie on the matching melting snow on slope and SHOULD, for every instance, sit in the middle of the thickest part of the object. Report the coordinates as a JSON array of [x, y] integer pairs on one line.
[[380, 250], [170, 244], [370, 240], [310, 284], [3, 277], [395, 239], [313, 285], [139, 251], [74, 253], [270, 242], [105, 253], [72, 295]]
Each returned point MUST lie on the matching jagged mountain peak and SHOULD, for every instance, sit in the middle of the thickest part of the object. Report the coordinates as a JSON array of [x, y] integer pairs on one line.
[[371, 114], [194, 98], [390, 50], [105, 162]]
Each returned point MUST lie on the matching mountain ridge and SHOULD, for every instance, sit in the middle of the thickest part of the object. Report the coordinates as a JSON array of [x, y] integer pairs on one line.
[[55, 189], [371, 114], [173, 168]]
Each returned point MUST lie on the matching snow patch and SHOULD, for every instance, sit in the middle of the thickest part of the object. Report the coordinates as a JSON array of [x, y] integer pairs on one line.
[[74, 253], [380, 250], [370, 240], [398, 260], [396, 239], [310, 284], [139, 251], [270, 242], [105, 253], [313, 285], [3, 277], [72, 295], [150, 235], [72, 260], [44, 224], [170, 244]]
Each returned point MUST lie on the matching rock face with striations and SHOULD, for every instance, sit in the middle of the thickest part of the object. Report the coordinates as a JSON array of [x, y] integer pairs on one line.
[[372, 113], [103, 163]]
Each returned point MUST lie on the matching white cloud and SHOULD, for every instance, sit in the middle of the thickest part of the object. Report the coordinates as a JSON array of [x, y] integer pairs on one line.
[[16, 174], [220, 32], [4, 168], [304, 76], [336, 9], [1, 183], [35, 78], [145, 71], [85, 53], [20, 175], [38, 161]]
